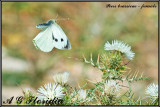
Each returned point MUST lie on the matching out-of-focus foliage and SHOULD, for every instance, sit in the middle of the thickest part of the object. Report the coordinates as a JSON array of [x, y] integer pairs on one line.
[[91, 24]]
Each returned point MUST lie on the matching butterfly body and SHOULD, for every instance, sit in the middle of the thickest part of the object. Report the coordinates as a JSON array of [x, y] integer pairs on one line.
[[51, 36]]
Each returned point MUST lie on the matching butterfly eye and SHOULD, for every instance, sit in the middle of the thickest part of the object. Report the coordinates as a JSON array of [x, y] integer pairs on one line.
[[61, 40]]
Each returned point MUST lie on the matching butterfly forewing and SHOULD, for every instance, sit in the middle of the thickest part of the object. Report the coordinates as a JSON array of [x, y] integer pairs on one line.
[[60, 39]]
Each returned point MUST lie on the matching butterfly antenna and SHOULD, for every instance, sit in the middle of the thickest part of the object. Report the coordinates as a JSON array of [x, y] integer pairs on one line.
[[56, 17], [63, 19]]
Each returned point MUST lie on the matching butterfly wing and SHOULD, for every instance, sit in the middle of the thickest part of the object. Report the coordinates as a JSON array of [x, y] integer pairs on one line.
[[60, 39], [43, 41]]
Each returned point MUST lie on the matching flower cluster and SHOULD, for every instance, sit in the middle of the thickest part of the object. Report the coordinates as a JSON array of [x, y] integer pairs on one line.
[[105, 92], [51, 91]]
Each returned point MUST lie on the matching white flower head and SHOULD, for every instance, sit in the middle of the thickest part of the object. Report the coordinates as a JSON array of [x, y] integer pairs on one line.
[[50, 91], [152, 91], [111, 87], [81, 95], [61, 78], [120, 46]]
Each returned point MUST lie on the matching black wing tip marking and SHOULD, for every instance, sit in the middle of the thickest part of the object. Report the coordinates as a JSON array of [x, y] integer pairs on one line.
[[68, 46], [45, 24]]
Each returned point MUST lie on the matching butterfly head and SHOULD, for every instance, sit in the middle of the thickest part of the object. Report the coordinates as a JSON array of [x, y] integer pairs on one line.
[[53, 20]]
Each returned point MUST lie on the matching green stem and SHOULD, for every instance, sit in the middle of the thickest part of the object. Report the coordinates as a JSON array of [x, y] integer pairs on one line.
[[129, 91]]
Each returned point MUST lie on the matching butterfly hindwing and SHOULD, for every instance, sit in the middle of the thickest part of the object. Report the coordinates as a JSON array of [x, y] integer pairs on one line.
[[43, 41]]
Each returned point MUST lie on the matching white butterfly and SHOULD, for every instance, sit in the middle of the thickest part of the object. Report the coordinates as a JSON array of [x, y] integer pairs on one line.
[[51, 36]]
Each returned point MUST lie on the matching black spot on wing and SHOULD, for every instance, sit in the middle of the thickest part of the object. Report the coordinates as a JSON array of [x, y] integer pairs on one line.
[[61, 39], [56, 40]]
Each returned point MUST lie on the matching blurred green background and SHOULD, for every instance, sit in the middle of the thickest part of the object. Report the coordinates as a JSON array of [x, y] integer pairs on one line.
[[90, 25]]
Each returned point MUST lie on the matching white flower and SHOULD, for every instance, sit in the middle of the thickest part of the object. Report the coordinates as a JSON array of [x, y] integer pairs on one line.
[[152, 91], [50, 91], [120, 46], [111, 87], [61, 78], [81, 95]]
